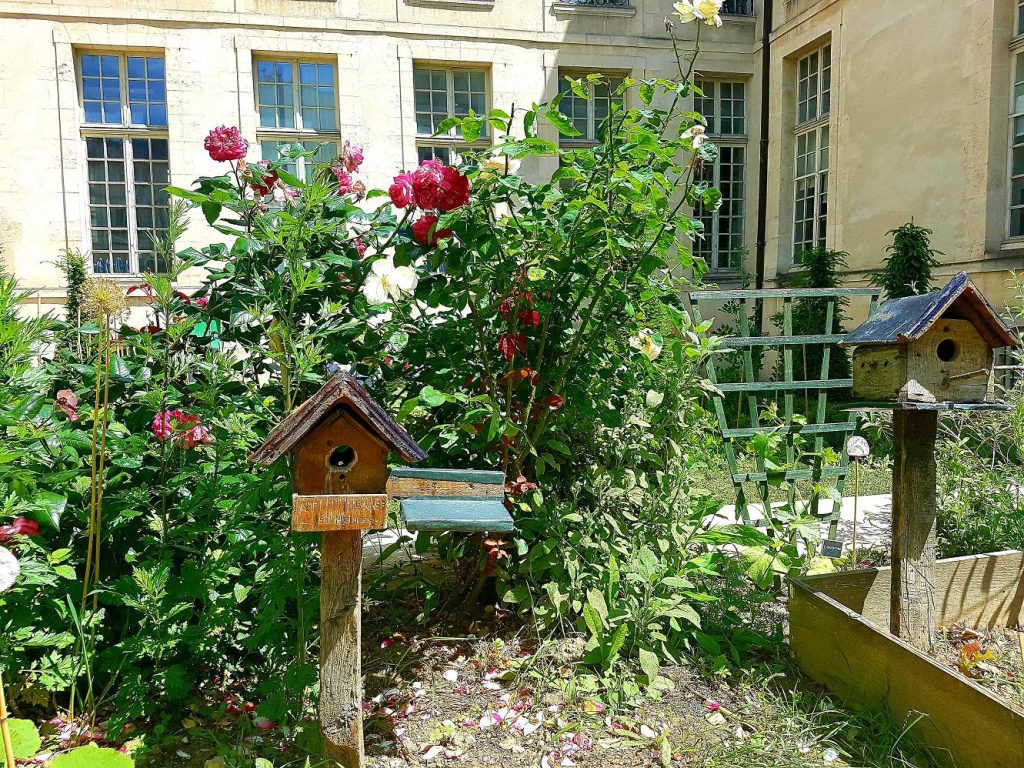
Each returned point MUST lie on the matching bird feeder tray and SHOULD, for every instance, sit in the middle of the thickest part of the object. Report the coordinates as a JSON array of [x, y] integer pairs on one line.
[[451, 500]]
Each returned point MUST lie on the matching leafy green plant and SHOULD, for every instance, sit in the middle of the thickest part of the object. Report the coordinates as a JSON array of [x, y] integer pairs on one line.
[[25, 739], [93, 757], [907, 270]]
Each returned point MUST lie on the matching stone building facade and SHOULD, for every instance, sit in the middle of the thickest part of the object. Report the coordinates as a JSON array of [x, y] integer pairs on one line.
[[877, 112]]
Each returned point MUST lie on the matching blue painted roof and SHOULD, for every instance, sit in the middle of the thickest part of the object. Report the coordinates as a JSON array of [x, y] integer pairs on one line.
[[900, 320]]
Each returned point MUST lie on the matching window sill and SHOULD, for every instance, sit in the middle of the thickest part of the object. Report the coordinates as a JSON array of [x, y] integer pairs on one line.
[[568, 9], [458, 5], [1013, 244]]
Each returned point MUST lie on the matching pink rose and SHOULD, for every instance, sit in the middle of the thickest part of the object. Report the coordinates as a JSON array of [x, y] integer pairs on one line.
[[197, 435], [353, 155], [67, 401], [425, 232], [162, 426], [225, 143], [344, 179], [400, 191], [203, 302], [360, 247]]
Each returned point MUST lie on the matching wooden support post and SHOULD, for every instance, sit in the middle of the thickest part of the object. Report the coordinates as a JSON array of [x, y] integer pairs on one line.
[[912, 599], [341, 690]]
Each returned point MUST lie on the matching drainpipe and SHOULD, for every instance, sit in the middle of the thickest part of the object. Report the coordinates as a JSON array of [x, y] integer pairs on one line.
[[762, 153]]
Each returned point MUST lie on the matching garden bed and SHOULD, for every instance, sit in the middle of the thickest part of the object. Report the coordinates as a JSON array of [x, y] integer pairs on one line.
[[838, 629]]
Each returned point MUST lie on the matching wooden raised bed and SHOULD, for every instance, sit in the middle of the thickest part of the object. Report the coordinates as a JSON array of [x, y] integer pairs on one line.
[[839, 633]]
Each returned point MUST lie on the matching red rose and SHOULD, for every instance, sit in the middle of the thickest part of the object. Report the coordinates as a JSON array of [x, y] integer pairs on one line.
[[555, 402], [510, 343], [453, 190], [21, 526], [426, 183], [401, 192], [507, 307], [530, 317], [425, 232], [225, 143], [261, 178], [203, 302], [344, 179]]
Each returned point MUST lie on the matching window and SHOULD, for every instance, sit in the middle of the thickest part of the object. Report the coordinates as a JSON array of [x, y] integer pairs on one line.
[[1017, 151], [738, 7], [722, 106], [587, 110], [297, 104], [810, 209], [124, 128], [442, 92], [724, 110], [1020, 17]]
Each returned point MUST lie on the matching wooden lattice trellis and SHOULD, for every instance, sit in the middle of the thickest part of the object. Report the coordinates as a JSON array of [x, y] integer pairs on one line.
[[749, 390]]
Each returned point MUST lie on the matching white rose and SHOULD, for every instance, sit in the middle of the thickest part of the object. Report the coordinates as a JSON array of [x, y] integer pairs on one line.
[[386, 282], [685, 11]]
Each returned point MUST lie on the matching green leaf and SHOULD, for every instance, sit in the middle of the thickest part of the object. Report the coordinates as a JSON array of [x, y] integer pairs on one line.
[[518, 594], [596, 601], [93, 757], [431, 398], [646, 91], [47, 508], [24, 738], [592, 620], [649, 664], [562, 123], [211, 210], [618, 639]]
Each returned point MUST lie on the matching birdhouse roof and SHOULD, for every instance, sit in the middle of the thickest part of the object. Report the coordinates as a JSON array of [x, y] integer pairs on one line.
[[898, 321], [342, 391]]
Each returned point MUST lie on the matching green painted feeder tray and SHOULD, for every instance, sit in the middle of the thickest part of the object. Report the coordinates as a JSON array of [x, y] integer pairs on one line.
[[451, 499], [451, 513]]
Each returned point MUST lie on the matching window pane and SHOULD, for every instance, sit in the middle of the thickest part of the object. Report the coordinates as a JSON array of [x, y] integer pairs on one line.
[[100, 83], [147, 100], [431, 99], [151, 202], [274, 97], [107, 205]]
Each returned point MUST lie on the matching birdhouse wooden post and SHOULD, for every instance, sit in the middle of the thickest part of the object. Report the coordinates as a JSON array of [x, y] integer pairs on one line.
[[917, 356], [340, 439]]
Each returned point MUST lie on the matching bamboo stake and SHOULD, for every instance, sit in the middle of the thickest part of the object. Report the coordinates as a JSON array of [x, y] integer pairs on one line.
[[5, 732]]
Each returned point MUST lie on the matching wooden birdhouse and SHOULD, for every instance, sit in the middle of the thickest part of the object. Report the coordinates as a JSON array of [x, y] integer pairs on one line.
[[340, 439], [937, 347]]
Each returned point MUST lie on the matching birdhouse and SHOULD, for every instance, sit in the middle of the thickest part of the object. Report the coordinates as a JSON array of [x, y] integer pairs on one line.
[[937, 347], [340, 438]]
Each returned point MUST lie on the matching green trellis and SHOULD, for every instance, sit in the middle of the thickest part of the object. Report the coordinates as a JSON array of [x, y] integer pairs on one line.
[[749, 391]]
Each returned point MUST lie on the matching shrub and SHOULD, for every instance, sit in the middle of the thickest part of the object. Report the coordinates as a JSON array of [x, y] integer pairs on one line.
[[907, 270]]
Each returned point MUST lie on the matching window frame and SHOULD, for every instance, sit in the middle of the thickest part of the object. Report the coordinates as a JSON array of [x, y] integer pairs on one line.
[[817, 125], [299, 134], [451, 142], [1017, 79], [1019, 31], [709, 248], [126, 131], [614, 80]]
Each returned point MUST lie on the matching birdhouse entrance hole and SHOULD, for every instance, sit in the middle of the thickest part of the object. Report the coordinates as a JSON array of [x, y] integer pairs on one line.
[[947, 350], [342, 459]]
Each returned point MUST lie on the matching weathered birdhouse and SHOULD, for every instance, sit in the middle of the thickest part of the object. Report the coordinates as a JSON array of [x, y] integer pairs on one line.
[[933, 348], [340, 438]]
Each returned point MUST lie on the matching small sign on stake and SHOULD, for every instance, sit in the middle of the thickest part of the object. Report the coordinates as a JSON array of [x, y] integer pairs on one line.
[[832, 548]]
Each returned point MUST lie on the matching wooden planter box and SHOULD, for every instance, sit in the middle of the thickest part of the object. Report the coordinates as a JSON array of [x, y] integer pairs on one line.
[[839, 633]]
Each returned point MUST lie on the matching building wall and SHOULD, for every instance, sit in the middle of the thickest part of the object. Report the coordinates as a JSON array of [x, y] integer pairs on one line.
[[921, 92], [209, 48]]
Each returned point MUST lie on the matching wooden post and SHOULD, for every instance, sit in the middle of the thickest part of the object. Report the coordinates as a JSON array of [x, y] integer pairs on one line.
[[912, 599], [341, 688]]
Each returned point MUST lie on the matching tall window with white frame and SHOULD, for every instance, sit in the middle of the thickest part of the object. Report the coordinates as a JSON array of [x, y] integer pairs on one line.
[[811, 141], [1016, 224], [440, 92], [296, 101], [723, 107], [124, 127], [587, 106]]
